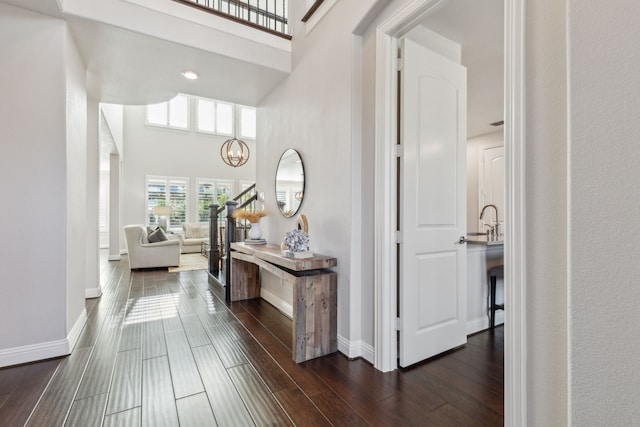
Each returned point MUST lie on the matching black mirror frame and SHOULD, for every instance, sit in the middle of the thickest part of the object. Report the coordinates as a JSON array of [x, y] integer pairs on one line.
[[293, 213]]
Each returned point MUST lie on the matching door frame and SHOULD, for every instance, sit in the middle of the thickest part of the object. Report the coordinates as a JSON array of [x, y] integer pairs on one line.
[[386, 268]]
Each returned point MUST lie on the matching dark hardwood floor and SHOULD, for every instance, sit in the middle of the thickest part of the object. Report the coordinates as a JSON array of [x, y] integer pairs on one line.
[[163, 349]]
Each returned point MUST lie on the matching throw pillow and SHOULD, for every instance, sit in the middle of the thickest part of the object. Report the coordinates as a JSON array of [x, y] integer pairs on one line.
[[157, 235], [195, 230], [188, 230]]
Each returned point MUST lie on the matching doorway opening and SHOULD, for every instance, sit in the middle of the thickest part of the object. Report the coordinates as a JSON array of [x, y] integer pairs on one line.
[[390, 32]]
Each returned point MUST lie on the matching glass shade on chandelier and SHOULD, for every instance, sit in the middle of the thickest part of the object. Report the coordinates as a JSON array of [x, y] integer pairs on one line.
[[234, 152]]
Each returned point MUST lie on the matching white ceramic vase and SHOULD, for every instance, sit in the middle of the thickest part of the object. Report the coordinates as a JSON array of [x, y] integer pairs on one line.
[[255, 232]]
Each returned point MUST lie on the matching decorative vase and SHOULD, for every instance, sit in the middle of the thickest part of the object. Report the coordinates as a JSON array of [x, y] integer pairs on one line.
[[255, 232]]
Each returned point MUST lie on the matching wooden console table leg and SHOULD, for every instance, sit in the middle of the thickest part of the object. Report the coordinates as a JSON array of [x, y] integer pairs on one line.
[[245, 280], [315, 323]]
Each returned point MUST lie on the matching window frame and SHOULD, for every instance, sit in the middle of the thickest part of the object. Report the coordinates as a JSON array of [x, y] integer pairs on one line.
[[168, 124], [199, 182], [173, 226], [217, 183], [238, 122], [216, 102]]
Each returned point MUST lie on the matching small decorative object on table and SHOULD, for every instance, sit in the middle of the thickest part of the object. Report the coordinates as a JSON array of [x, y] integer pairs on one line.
[[255, 232], [255, 241], [296, 245]]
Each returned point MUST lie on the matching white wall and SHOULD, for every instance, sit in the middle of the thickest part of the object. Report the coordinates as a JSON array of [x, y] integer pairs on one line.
[[92, 274], [474, 156], [311, 111], [111, 135], [76, 176], [36, 285], [114, 118], [151, 150], [546, 213], [604, 213]]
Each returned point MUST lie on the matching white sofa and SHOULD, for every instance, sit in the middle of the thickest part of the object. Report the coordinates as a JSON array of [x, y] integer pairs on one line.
[[143, 254], [194, 233]]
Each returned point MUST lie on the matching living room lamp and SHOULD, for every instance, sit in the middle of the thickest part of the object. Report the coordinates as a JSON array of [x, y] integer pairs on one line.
[[163, 213], [234, 152]]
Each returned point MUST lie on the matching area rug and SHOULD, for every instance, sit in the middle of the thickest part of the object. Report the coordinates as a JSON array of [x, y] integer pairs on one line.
[[191, 262]]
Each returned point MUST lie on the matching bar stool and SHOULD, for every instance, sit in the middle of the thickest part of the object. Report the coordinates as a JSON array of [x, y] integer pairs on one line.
[[494, 273]]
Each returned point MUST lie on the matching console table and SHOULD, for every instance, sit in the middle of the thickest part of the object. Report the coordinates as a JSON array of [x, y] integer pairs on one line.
[[314, 328]]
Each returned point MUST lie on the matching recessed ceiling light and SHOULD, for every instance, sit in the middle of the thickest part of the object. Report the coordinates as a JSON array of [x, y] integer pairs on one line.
[[191, 75]]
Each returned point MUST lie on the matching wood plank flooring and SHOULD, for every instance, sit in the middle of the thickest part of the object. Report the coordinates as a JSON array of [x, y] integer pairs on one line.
[[163, 349]]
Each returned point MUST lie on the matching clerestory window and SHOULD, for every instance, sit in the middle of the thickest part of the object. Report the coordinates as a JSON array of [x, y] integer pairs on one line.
[[172, 114]]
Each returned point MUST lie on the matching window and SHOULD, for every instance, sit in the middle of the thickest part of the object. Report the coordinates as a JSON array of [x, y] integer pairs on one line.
[[167, 191], [224, 190], [174, 114], [246, 122], [206, 190], [215, 117], [212, 191]]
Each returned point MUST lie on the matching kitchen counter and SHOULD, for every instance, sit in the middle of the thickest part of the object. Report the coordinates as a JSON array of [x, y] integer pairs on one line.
[[482, 239]]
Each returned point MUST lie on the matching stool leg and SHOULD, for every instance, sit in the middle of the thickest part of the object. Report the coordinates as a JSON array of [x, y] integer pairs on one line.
[[493, 301]]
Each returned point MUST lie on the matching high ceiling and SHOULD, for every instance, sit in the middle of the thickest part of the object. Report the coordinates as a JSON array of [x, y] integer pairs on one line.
[[128, 67], [48, 7], [125, 67], [477, 25]]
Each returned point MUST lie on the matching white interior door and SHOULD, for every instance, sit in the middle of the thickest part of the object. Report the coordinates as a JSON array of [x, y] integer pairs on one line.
[[432, 288]]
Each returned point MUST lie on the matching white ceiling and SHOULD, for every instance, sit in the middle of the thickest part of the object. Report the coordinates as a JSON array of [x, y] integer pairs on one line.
[[48, 7], [125, 67], [477, 25], [131, 68]]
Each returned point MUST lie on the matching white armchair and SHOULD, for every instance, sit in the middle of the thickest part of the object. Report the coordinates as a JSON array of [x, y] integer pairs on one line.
[[143, 254]]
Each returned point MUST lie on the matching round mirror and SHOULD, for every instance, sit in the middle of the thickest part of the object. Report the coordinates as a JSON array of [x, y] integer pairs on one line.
[[290, 183]]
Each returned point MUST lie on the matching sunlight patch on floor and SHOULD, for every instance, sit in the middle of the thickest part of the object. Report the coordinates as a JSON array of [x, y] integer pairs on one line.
[[156, 307]]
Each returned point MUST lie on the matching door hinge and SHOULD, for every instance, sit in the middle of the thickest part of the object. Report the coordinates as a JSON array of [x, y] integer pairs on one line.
[[399, 64], [397, 323], [398, 236], [397, 150]]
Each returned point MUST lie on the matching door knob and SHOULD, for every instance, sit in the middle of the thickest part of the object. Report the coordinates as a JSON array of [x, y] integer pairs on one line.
[[462, 240]]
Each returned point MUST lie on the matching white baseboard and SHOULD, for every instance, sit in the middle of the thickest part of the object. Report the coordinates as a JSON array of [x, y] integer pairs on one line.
[[74, 334], [33, 352], [93, 292], [277, 302], [356, 349], [44, 350]]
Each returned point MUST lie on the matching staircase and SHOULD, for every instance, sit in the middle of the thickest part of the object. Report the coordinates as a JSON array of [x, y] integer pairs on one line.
[[224, 229]]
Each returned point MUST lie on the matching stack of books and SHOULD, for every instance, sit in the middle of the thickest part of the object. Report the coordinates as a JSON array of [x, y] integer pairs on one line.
[[255, 242]]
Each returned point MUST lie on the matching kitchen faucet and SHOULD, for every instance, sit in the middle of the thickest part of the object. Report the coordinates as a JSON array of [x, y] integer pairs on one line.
[[494, 229]]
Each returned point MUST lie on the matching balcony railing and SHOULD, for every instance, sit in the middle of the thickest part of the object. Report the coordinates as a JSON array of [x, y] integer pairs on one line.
[[267, 15]]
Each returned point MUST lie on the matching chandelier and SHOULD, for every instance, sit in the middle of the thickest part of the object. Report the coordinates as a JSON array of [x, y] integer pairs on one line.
[[234, 152]]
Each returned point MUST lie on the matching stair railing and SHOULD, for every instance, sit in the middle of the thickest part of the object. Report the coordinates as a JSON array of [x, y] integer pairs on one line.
[[220, 242], [266, 15]]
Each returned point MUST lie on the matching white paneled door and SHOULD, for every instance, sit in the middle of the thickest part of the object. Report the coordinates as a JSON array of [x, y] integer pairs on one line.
[[432, 288]]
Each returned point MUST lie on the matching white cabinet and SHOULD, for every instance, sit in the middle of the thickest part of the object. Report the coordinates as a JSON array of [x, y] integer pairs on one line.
[[479, 259]]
